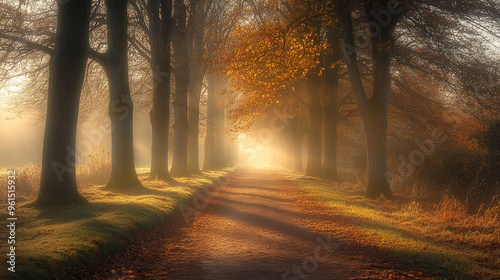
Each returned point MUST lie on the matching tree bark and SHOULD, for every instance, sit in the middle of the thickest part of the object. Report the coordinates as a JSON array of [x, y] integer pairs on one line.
[[231, 146], [330, 111], [123, 173], [219, 136], [294, 135], [298, 154], [376, 133], [314, 167], [181, 126], [373, 110], [209, 160], [67, 70], [197, 72], [194, 121], [214, 141], [314, 159], [160, 63]]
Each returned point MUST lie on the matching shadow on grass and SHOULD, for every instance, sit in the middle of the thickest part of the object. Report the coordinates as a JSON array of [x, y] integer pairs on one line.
[[424, 254], [68, 240]]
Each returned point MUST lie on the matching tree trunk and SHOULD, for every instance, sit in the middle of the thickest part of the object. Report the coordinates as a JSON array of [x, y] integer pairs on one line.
[[67, 71], [209, 159], [314, 167], [194, 123], [181, 126], [219, 127], [376, 133], [160, 63], [314, 159], [231, 146], [298, 154], [373, 110], [297, 134], [196, 28], [330, 112], [123, 173], [289, 149], [330, 171], [214, 141]]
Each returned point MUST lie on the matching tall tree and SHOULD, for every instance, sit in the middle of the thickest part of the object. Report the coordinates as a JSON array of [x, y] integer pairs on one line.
[[230, 143], [196, 29], [373, 110], [297, 134], [314, 159], [120, 108], [160, 30], [181, 126], [214, 141], [330, 107], [221, 17], [123, 173], [67, 71]]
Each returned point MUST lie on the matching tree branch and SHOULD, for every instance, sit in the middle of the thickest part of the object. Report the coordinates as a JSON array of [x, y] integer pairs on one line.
[[29, 44], [358, 89]]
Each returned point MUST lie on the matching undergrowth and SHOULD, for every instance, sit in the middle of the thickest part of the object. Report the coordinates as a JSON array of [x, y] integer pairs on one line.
[[437, 237], [95, 169]]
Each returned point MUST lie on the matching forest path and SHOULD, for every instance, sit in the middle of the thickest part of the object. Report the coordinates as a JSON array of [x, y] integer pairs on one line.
[[258, 226]]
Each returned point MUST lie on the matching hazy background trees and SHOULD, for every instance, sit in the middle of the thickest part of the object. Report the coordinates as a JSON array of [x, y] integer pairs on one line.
[[397, 95]]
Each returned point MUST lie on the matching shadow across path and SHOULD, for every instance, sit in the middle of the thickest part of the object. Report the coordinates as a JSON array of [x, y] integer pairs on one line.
[[256, 227]]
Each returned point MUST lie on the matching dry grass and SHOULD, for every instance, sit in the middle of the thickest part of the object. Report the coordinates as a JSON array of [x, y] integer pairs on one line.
[[440, 237], [27, 182], [448, 221], [95, 170]]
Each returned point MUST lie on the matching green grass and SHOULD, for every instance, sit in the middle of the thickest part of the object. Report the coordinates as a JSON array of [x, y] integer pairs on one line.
[[73, 240], [428, 240]]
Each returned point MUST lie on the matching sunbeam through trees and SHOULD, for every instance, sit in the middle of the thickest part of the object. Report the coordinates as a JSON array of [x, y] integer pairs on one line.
[[250, 139]]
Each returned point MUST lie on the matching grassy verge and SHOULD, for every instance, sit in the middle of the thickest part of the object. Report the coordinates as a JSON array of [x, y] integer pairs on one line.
[[441, 238], [70, 241]]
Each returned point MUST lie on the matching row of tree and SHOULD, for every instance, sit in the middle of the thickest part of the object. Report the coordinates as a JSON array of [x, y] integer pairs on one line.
[[327, 64], [169, 27], [411, 62]]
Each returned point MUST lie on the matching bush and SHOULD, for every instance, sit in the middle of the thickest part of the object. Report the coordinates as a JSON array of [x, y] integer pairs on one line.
[[450, 169], [467, 173], [486, 186]]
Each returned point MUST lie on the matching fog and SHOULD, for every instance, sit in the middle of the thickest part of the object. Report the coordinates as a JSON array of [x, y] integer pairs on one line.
[[22, 140]]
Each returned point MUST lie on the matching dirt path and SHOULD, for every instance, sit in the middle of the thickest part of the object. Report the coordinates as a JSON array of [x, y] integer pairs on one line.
[[257, 227]]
